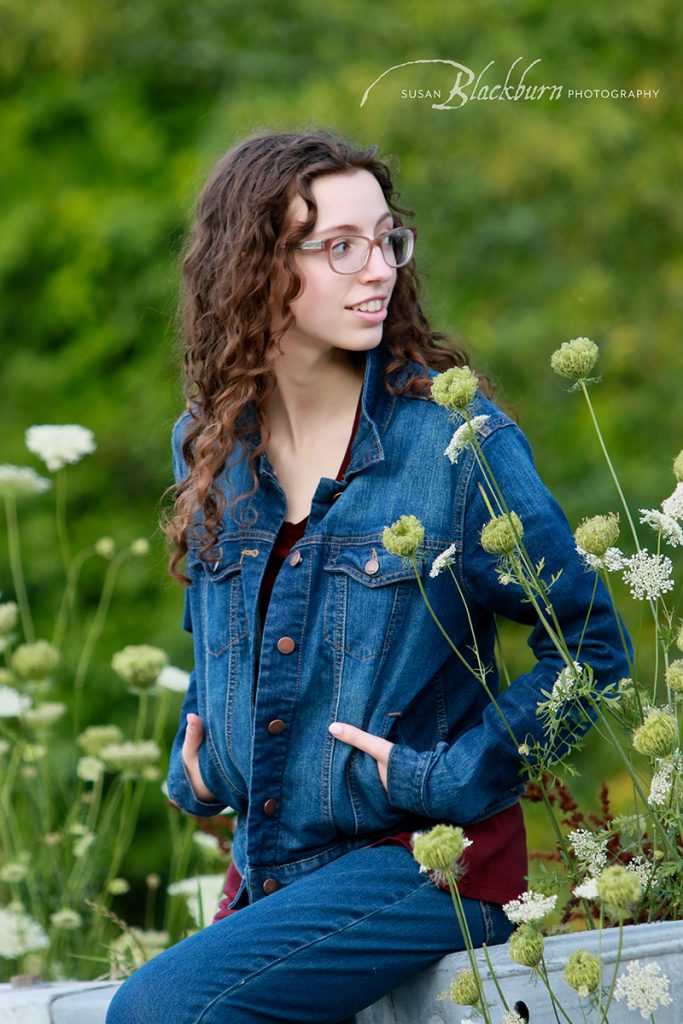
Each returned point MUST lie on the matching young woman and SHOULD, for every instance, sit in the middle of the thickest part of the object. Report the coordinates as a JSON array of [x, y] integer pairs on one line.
[[310, 427]]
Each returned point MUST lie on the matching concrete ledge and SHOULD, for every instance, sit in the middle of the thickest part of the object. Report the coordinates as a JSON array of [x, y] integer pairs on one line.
[[86, 1002]]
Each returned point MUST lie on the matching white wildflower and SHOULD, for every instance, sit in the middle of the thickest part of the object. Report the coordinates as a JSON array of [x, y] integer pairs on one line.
[[60, 444], [442, 561], [644, 988], [13, 872], [21, 481], [20, 934], [673, 505], [89, 769], [66, 919], [531, 906], [648, 576], [511, 1017], [613, 560], [9, 616], [83, 845], [12, 703], [202, 895], [44, 715], [587, 890], [644, 869], [130, 756], [590, 851], [565, 686], [661, 784], [463, 438], [172, 678], [666, 525]]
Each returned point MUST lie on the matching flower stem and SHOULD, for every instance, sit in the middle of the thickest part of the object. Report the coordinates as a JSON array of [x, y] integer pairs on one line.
[[16, 568]]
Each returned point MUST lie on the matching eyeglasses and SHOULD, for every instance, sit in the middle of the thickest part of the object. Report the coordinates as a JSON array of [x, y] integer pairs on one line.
[[347, 254]]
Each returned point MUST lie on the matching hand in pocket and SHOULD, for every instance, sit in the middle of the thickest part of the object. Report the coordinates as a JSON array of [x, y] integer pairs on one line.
[[194, 737]]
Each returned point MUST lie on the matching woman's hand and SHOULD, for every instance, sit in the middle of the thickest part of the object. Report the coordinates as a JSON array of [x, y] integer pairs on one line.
[[194, 735], [375, 746]]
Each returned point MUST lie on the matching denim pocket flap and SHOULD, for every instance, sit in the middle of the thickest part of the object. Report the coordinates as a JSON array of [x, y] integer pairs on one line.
[[370, 564]]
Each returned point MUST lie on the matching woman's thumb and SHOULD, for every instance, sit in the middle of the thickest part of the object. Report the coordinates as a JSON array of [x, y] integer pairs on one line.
[[194, 727]]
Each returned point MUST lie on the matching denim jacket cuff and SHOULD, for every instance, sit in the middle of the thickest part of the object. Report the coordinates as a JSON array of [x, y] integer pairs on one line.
[[181, 793], [406, 770]]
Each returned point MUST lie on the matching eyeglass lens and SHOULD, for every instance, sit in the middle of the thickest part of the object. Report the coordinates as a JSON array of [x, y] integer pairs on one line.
[[350, 253]]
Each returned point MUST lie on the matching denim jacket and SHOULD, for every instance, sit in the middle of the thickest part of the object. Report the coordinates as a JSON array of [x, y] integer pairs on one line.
[[348, 637]]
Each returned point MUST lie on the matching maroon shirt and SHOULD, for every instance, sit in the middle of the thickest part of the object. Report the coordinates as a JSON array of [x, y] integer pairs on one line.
[[497, 860]]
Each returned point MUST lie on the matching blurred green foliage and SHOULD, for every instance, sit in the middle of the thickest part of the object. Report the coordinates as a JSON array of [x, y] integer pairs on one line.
[[539, 221]]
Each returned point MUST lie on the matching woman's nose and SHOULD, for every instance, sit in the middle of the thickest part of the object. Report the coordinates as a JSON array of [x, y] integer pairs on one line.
[[377, 268]]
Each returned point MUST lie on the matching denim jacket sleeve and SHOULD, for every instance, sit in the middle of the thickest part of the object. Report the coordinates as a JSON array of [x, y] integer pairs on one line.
[[481, 771], [178, 783]]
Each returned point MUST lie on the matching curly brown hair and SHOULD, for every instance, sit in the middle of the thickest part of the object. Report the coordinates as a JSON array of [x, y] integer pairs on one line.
[[239, 242]]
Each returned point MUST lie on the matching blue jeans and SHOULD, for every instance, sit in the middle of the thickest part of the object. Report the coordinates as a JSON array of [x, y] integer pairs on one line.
[[318, 950]]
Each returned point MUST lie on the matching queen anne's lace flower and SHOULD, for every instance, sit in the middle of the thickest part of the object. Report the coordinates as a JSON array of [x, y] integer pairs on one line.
[[172, 678], [59, 444], [463, 437], [587, 890], [95, 737], [591, 852], [20, 934], [673, 505], [530, 907], [443, 560], [648, 576], [664, 524], [130, 756], [12, 703], [582, 972], [21, 481], [455, 388], [139, 665], [575, 359], [644, 988], [613, 560], [502, 534], [404, 536]]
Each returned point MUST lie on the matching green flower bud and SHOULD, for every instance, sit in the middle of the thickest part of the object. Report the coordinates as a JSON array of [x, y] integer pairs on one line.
[[404, 536], [674, 676], [618, 889], [502, 534], [105, 547], [440, 848], [526, 945], [118, 886], [575, 359], [35, 661], [597, 533], [657, 736], [583, 972], [464, 988], [140, 547], [455, 388], [139, 665], [678, 466], [9, 614]]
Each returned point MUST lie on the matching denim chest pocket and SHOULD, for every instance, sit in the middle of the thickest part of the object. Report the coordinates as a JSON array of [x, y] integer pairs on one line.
[[367, 594], [220, 594]]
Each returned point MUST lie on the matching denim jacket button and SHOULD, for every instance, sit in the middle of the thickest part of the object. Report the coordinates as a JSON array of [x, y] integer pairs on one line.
[[270, 885], [371, 566], [285, 645], [295, 558], [276, 727], [270, 806]]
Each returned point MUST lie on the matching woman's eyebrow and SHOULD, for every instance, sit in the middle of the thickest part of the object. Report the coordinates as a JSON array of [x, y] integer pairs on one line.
[[352, 227]]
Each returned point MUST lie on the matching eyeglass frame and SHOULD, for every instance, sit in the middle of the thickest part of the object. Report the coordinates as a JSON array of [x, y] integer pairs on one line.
[[325, 245]]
